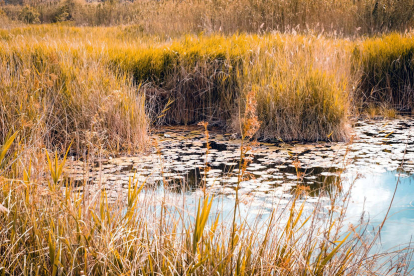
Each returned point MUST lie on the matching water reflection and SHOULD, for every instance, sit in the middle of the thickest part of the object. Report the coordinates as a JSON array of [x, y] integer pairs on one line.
[[372, 194], [380, 151]]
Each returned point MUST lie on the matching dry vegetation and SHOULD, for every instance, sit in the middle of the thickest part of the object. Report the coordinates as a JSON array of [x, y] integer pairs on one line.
[[305, 85], [387, 70], [56, 92], [301, 83], [237, 64], [172, 18]]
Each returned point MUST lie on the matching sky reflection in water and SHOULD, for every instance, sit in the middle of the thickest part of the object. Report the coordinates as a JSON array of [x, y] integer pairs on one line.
[[373, 194]]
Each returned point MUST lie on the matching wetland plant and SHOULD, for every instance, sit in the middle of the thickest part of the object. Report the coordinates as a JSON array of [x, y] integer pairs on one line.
[[54, 89]]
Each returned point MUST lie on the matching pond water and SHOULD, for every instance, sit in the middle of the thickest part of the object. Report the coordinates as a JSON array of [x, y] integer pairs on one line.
[[373, 195], [380, 155]]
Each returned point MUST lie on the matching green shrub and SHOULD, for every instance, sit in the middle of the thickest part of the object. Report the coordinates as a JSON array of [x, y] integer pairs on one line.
[[29, 15], [66, 11]]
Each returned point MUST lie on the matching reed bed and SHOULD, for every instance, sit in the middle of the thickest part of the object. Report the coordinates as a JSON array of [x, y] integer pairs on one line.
[[305, 85], [192, 79], [175, 18], [208, 78], [387, 73], [56, 93]]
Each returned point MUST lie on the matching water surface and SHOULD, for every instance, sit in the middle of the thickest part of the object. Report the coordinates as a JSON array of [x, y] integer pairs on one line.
[[380, 155]]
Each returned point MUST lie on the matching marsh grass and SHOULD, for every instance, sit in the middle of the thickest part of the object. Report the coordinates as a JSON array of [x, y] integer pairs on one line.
[[375, 110], [386, 66], [101, 85], [302, 92], [53, 94], [98, 86], [305, 85]]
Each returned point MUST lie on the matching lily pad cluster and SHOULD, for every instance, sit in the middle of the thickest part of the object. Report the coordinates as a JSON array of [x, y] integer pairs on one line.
[[181, 161]]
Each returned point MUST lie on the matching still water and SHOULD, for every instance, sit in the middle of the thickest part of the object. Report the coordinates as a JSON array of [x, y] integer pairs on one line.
[[380, 154], [373, 194]]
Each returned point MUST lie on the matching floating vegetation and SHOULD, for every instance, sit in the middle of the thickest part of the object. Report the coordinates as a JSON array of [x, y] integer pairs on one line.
[[274, 170]]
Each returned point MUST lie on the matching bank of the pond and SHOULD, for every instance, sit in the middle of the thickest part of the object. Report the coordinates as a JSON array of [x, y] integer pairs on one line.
[[88, 84]]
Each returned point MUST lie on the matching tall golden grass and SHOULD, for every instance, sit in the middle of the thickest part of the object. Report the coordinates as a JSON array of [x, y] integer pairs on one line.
[[200, 78], [305, 85], [387, 71], [55, 93]]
